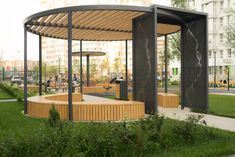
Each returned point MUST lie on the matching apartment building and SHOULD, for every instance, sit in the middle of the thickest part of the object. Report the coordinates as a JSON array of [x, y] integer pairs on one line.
[[221, 14]]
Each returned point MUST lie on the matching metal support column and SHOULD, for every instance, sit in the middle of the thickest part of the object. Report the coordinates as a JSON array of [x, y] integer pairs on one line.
[[127, 68], [88, 69], [165, 55], [25, 70], [182, 37], [40, 65], [81, 81], [70, 85]]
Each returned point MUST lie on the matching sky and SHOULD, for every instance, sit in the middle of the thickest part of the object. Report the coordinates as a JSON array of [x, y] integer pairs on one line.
[[12, 15]]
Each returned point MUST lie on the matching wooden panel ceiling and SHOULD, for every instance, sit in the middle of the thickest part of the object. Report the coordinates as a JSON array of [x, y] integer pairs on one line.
[[93, 25]]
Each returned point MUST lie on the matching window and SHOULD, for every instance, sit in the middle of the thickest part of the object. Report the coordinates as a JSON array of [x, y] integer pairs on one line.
[[220, 69], [229, 53], [209, 53], [228, 3], [221, 54], [221, 4], [210, 70], [221, 21], [221, 38], [175, 71]]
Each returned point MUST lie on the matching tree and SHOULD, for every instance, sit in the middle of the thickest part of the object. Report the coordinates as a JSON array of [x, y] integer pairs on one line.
[[183, 4], [116, 65], [93, 70], [174, 39], [105, 66], [175, 46], [230, 36]]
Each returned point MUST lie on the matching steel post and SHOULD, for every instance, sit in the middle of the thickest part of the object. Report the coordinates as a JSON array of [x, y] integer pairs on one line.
[[40, 65], [70, 85], [25, 70]]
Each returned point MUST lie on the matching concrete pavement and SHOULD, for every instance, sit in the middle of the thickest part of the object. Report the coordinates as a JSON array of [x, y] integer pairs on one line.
[[223, 123], [8, 100]]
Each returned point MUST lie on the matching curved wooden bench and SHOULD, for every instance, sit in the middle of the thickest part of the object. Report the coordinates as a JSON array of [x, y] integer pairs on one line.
[[98, 109], [30, 88], [168, 100]]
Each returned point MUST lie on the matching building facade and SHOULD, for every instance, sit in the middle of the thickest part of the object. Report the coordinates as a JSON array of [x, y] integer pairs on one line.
[[221, 15]]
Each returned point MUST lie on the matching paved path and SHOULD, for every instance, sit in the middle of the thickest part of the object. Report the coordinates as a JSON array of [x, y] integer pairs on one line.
[[212, 121], [228, 94], [8, 100]]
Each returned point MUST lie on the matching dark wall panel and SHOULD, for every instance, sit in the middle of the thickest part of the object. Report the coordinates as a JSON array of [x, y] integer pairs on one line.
[[194, 65], [144, 61]]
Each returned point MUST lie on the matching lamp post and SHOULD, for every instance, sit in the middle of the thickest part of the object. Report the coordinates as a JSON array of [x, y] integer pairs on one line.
[[228, 68], [59, 63], [214, 69]]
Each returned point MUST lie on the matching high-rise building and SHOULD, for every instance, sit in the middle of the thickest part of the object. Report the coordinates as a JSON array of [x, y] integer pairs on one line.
[[221, 15]]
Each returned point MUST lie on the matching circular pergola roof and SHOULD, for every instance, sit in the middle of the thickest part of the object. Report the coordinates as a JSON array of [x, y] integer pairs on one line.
[[92, 23], [89, 53]]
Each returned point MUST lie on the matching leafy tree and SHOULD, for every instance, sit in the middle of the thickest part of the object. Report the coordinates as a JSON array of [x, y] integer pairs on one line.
[[180, 4], [93, 70], [230, 33], [174, 46], [116, 65], [174, 39], [105, 66]]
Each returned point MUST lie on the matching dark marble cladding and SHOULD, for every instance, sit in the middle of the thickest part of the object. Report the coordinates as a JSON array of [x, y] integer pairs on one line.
[[194, 65], [144, 85]]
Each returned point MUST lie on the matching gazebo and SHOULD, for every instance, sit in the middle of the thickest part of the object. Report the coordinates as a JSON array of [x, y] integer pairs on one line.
[[142, 25]]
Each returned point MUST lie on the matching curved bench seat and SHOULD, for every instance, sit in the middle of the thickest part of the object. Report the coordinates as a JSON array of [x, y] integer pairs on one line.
[[91, 109]]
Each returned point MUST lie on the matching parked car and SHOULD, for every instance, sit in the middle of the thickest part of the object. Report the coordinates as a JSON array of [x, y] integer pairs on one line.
[[16, 79]]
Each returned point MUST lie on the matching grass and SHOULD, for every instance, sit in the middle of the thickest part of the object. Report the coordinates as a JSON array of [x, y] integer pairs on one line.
[[4, 95], [14, 123], [222, 105]]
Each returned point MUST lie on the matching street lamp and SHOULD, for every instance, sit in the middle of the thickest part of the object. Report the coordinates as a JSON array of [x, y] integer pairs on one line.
[[59, 63], [214, 69]]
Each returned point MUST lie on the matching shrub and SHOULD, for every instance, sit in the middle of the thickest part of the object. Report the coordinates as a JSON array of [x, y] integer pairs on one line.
[[140, 138], [14, 91], [54, 117], [175, 82]]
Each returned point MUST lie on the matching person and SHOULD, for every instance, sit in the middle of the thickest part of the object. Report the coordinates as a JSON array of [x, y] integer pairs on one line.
[[49, 81], [75, 78]]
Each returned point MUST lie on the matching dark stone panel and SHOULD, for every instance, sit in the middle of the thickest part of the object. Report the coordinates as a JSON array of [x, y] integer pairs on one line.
[[144, 61], [194, 64]]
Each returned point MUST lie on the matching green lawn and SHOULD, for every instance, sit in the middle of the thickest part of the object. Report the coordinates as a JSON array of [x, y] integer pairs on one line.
[[4, 95], [14, 124], [222, 105]]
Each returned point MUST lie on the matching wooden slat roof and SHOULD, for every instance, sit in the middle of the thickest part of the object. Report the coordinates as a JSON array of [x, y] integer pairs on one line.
[[92, 24]]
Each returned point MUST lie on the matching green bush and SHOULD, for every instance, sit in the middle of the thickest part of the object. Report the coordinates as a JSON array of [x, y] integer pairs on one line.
[[14, 91], [175, 82], [140, 138], [54, 117]]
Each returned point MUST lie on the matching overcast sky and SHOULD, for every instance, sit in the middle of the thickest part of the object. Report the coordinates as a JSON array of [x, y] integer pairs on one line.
[[12, 15]]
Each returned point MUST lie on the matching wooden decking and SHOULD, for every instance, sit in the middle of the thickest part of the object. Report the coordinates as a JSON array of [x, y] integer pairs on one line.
[[91, 109]]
